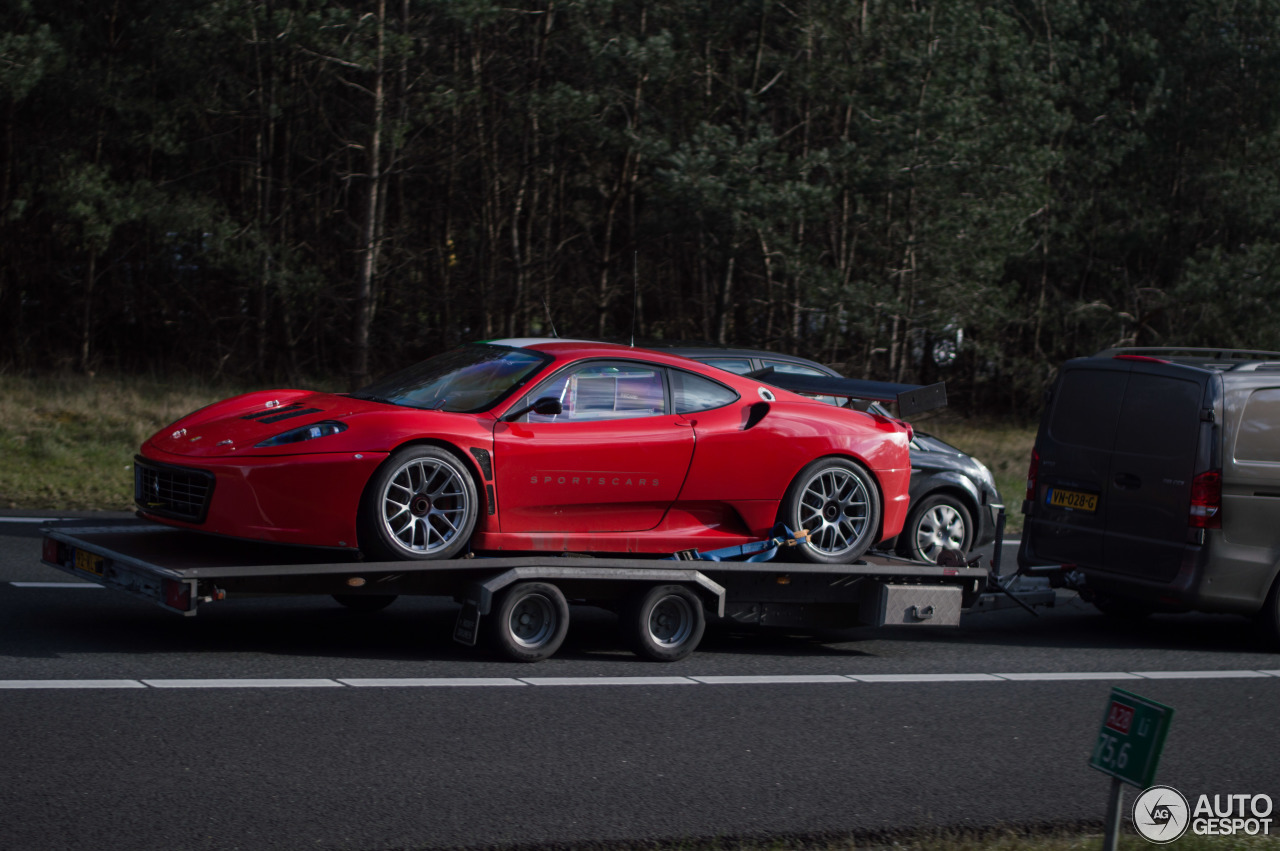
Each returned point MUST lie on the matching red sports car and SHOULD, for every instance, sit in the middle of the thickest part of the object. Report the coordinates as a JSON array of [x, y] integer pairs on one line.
[[533, 445]]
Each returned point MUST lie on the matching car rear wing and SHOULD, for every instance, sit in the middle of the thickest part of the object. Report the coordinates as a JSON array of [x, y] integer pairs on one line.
[[912, 399]]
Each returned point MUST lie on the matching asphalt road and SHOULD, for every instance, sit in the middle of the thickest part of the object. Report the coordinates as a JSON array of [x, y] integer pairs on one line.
[[294, 723]]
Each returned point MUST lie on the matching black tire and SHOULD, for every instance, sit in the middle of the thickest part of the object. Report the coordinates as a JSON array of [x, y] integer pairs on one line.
[[529, 622], [837, 501], [664, 624], [420, 504], [365, 602], [1267, 621], [1121, 608], [940, 522]]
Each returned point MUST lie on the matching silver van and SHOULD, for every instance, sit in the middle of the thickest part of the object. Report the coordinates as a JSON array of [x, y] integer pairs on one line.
[[1156, 475]]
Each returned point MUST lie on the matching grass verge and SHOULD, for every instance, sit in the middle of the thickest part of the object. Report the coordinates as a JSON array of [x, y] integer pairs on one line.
[[68, 442]]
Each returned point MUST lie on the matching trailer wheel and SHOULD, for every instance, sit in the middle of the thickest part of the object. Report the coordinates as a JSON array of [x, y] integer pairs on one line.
[[837, 501], [420, 504], [530, 621], [365, 602], [665, 624]]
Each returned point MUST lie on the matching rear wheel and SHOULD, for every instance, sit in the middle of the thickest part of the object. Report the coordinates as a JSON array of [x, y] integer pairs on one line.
[[941, 522], [530, 622], [1268, 620], [1121, 608], [420, 504], [665, 623], [836, 500]]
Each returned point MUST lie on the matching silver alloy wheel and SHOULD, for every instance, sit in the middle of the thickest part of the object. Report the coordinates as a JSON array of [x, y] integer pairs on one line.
[[835, 508], [940, 528], [532, 621], [425, 505], [671, 621]]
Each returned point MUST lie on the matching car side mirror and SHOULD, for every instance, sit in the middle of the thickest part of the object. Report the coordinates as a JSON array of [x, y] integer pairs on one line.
[[547, 406]]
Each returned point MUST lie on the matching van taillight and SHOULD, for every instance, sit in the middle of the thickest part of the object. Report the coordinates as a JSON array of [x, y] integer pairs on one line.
[[1206, 500], [1033, 472]]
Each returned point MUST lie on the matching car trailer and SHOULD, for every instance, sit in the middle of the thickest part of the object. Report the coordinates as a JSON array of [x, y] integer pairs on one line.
[[521, 604]]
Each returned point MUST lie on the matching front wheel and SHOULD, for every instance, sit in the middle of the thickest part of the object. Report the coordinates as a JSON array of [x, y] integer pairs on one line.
[[530, 622], [420, 504], [837, 502], [939, 523], [365, 602], [665, 624]]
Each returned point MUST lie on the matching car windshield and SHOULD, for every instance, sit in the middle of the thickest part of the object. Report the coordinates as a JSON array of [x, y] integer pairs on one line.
[[468, 379]]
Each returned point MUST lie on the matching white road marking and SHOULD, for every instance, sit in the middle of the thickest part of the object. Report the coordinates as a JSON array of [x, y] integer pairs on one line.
[[773, 680], [1202, 675], [780, 679], [37, 519], [428, 682], [608, 681], [56, 585], [48, 684], [245, 683], [1085, 675], [925, 678]]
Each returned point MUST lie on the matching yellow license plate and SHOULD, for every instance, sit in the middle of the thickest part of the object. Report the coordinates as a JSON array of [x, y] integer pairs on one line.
[[1074, 500], [88, 562]]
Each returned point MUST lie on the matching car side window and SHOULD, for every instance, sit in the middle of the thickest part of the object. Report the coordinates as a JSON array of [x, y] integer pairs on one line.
[[801, 369], [598, 390], [741, 366], [692, 393], [1259, 435]]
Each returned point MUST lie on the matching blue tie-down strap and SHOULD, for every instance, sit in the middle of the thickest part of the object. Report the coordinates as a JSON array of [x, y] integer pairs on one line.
[[764, 550]]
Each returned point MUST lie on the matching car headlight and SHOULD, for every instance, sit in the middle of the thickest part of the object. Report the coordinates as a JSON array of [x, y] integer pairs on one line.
[[985, 474], [301, 433]]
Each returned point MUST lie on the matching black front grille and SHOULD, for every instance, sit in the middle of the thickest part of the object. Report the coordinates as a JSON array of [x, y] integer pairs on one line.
[[178, 492]]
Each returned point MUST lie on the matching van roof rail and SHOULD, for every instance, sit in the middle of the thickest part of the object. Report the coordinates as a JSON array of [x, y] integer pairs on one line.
[[1196, 356]]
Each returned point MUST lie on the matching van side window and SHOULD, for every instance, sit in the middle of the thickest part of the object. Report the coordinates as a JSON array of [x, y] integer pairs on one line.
[[1259, 435]]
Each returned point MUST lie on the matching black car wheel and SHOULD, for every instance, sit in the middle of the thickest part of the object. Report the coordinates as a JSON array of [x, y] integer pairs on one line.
[[940, 522], [529, 622], [664, 624]]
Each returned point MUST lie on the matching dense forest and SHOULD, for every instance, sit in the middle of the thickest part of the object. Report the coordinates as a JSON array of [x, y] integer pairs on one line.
[[971, 190]]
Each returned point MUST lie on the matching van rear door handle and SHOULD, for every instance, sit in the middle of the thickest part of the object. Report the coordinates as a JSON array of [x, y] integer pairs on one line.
[[1127, 481]]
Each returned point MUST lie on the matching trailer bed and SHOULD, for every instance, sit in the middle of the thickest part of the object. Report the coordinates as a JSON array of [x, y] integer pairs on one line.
[[180, 570]]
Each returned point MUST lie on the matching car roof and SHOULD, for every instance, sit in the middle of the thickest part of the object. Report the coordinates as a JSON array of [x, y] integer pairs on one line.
[[562, 347], [698, 351]]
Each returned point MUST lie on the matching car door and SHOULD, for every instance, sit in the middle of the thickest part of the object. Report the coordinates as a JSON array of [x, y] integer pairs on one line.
[[613, 460]]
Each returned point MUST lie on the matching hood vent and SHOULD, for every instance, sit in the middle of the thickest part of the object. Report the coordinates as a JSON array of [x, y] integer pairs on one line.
[[275, 415]]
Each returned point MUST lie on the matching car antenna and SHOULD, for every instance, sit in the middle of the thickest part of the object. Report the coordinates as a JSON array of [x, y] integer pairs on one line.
[[635, 293], [550, 321]]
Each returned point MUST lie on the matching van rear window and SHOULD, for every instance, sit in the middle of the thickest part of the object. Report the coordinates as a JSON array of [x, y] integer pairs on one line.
[[1259, 435], [1087, 407], [1160, 417]]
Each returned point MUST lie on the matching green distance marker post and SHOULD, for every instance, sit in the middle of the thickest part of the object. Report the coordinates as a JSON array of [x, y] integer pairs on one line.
[[1128, 748]]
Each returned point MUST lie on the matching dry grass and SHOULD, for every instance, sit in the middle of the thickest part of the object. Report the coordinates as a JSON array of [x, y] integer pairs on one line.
[[68, 442], [1004, 448], [985, 840]]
